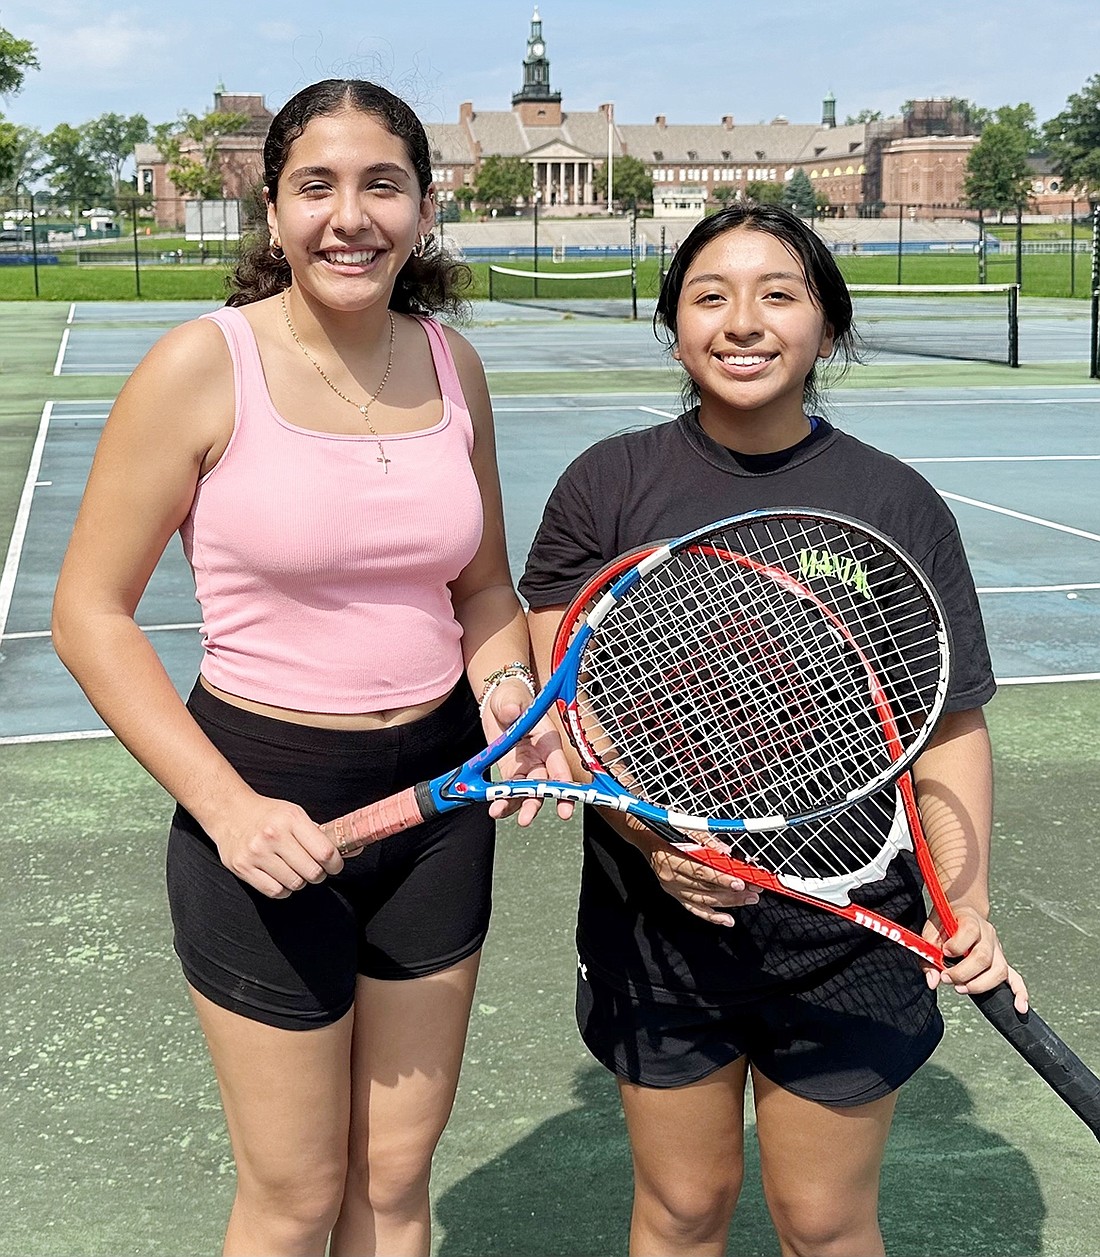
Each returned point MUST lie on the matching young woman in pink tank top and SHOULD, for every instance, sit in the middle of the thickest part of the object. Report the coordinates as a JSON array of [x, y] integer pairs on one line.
[[325, 449]]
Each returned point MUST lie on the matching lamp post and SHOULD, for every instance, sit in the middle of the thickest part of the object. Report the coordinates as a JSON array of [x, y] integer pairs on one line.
[[535, 198], [34, 234]]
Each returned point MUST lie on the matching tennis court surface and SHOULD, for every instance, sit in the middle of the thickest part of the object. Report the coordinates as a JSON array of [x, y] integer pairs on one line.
[[112, 1134]]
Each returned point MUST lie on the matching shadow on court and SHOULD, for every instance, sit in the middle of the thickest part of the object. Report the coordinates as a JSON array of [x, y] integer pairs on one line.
[[566, 1188]]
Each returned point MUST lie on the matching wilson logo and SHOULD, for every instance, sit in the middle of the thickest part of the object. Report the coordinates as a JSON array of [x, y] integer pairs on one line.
[[547, 790], [846, 570], [891, 932]]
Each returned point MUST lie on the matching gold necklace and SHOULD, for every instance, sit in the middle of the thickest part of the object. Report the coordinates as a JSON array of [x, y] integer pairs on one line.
[[362, 407]]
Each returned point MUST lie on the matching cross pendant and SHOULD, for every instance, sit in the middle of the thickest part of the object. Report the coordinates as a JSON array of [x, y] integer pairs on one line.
[[383, 460]]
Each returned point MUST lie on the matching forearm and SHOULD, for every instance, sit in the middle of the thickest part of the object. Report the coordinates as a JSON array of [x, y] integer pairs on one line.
[[125, 681], [954, 781], [494, 632]]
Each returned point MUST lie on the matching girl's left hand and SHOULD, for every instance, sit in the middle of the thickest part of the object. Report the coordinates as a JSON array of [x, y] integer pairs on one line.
[[981, 964], [537, 757]]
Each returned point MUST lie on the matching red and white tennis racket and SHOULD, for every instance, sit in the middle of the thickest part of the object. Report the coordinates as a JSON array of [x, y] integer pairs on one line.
[[823, 861]]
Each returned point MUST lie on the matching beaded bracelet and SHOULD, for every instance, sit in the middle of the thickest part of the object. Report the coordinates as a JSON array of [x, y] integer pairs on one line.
[[515, 671]]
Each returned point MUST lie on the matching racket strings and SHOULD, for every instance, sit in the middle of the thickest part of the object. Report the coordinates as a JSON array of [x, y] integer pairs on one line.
[[763, 672], [840, 852], [743, 698]]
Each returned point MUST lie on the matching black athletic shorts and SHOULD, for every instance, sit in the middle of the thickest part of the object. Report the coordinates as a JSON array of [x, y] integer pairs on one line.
[[855, 1036], [414, 904]]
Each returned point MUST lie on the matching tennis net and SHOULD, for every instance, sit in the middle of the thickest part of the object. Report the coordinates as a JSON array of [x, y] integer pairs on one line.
[[610, 294], [969, 322]]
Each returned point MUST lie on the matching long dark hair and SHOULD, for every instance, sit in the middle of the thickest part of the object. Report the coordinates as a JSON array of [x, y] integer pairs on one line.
[[823, 278], [430, 283]]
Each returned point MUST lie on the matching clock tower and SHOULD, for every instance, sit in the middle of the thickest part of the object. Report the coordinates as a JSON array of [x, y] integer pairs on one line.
[[535, 103]]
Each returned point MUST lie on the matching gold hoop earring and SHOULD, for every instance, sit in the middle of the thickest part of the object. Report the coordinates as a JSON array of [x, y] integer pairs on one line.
[[276, 251], [421, 246]]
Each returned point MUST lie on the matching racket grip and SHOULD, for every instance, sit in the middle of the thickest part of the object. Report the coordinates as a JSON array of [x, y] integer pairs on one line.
[[358, 829], [1056, 1063]]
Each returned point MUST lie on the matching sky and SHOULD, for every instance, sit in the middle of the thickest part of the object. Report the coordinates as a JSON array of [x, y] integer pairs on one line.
[[691, 60]]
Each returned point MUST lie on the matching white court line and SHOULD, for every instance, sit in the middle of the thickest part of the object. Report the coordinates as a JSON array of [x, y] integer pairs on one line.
[[1027, 519], [969, 401], [61, 351], [1036, 589], [1051, 680], [72, 313], [652, 410], [22, 515], [83, 735], [32, 634], [1009, 458]]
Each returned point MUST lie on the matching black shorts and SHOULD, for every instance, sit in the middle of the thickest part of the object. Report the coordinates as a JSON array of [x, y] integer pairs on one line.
[[414, 904], [855, 1036]]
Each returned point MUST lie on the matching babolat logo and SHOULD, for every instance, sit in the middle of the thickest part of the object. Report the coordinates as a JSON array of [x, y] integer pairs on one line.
[[547, 790], [842, 568]]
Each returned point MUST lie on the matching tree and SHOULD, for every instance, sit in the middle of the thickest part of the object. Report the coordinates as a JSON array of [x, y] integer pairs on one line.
[[1073, 137], [997, 174], [632, 184], [17, 56], [20, 151], [112, 138], [503, 181], [74, 169], [864, 115], [799, 195], [725, 195], [764, 193], [192, 151], [464, 194], [1022, 117]]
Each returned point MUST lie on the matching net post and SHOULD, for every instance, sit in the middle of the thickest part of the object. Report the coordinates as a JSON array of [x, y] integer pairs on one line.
[[1014, 325], [901, 220], [137, 257], [1094, 353], [490, 273], [634, 263], [1019, 246], [981, 246]]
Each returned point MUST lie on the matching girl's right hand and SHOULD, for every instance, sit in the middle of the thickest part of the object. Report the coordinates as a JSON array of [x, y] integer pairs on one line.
[[703, 891], [275, 847]]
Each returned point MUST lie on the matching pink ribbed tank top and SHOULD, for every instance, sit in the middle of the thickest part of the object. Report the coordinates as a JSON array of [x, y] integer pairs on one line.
[[323, 582]]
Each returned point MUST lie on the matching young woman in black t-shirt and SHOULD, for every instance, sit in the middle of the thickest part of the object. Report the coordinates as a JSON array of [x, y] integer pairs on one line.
[[690, 982]]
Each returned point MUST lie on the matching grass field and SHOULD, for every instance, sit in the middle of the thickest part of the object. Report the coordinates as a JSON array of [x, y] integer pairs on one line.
[[1044, 275]]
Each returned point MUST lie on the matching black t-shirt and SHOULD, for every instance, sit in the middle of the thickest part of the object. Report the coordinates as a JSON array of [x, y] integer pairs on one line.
[[657, 483]]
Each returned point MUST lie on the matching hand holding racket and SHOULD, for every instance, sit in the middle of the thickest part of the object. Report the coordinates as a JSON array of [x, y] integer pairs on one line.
[[734, 690]]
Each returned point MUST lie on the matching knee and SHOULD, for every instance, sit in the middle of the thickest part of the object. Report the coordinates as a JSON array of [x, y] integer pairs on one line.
[[297, 1199], [810, 1227], [394, 1174], [690, 1211]]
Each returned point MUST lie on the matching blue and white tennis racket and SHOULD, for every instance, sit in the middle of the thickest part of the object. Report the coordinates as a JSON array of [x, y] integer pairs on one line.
[[752, 676]]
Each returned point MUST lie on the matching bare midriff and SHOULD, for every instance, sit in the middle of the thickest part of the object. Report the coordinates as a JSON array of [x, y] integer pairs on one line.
[[330, 720]]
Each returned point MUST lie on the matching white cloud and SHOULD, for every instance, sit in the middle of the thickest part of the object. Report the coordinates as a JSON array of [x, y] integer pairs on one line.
[[120, 42]]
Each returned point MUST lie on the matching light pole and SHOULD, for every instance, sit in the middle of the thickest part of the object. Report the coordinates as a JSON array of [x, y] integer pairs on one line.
[[34, 234], [535, 198]]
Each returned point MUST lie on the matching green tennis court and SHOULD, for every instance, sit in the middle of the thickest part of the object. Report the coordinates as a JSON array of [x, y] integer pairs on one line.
[[112, 1132]]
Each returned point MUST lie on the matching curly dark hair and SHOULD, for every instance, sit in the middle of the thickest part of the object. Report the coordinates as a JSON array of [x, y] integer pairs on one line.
[[826, 283], [431, 283]]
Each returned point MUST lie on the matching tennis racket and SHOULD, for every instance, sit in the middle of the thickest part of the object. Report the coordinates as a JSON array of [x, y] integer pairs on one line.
[[826, 860]]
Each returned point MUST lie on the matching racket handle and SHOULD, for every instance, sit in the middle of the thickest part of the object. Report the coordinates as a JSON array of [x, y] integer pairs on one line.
[[358, 829], [1054, 1062]]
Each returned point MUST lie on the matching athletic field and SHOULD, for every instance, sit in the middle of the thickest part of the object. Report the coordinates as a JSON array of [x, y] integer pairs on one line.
[[111, 1138]]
